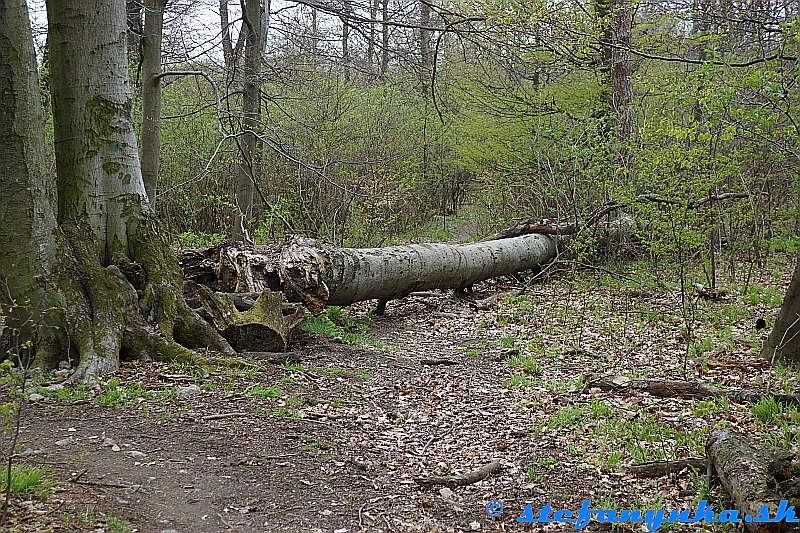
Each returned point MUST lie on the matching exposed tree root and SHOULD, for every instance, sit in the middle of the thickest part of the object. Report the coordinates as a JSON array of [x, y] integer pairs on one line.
[[128, 308]]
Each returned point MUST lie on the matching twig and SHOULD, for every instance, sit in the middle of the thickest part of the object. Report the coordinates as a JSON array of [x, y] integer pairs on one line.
[[655, 469], [434, 362], [223, 415]]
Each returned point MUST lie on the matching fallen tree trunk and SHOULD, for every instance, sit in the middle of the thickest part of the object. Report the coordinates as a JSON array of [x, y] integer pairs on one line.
[[748, 474], [352, 275], [320, 275], [685, 389]]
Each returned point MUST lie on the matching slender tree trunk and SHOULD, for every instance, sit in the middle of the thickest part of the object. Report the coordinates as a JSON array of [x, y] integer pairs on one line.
[[314, 35], [133, 12], [602, 13], [616, 83], [250, 120], [385, 39], [265, 19], [784, 340], [346, 40], [151, 95], [227, 46], [426, 54], [622, 81], [699, 28], [373, 12]]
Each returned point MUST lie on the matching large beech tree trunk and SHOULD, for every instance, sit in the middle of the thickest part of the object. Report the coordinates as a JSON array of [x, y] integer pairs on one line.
[[93, 279]]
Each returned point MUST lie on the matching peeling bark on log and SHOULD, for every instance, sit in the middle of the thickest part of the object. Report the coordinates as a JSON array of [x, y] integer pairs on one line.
[[746, 474], [459, 481], [685, 389], [264, 327]]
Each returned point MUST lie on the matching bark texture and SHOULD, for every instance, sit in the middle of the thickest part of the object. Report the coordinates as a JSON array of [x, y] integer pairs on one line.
[[36, 264], [745, 472], [784, 340], [250, 120], [151, 95], [622, 70], [102, 282]]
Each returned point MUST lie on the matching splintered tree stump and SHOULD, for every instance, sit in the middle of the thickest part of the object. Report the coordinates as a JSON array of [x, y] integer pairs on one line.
[[747, 472], [267, 326]]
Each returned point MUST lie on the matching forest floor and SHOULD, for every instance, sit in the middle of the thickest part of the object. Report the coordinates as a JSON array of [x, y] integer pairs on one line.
[[434, 387]]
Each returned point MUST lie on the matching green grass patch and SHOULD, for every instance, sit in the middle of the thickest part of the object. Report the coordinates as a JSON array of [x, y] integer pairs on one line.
[[528, 364], [338, 323], [28, 481], [258, 390]]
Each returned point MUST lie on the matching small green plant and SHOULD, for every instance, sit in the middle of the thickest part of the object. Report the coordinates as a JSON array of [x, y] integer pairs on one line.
[[507, 342], [118, 525], [767, 409], [337, 323], [527, 363], [567, 416], [28, 481], [259, 391], [599, 409], [520, 380]]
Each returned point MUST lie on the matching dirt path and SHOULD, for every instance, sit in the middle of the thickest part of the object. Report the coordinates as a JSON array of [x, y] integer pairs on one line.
[[332, 444]]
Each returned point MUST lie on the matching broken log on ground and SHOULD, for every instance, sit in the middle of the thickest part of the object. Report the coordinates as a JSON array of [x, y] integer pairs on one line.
[[750, 473], [459, 481], [684, 389], [267, 324]]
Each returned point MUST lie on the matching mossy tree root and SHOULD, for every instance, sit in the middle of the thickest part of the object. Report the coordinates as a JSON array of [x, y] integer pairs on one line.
[[132, 307]]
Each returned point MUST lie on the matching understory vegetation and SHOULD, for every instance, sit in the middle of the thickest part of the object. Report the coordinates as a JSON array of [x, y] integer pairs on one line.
[[426, 122]]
